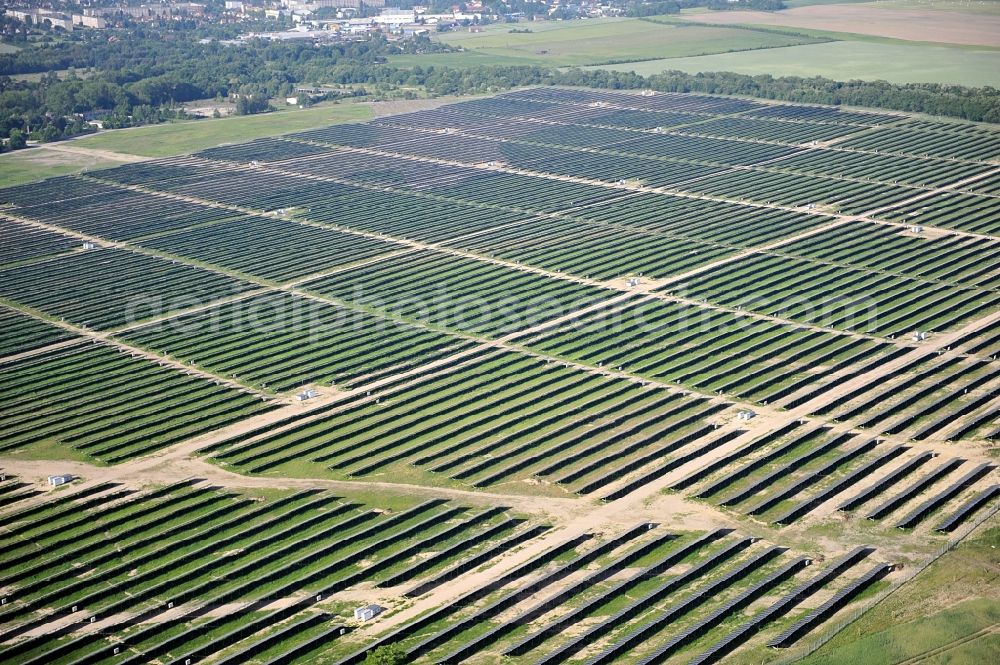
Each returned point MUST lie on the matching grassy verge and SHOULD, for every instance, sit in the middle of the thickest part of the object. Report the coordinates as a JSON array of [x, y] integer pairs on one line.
[[49, 450], [192, 135]]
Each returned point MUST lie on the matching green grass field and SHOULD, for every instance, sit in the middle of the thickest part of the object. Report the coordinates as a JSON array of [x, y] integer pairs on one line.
[[176, 138], [844, 61], [578, 43], [49, 450], [189, 136], [961, 633], [949, 609], [23, 166]]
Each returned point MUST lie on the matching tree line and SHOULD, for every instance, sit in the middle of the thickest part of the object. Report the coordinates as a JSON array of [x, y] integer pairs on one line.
[[640, 8], [140, 78], [976, 104]]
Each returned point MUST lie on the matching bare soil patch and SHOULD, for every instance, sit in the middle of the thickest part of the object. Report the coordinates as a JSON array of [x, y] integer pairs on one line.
[[60, 152], [400, 106]]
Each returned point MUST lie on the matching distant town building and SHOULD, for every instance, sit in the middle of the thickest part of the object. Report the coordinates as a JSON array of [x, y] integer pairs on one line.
[[392, 16], [312, 5], [40, 16], [96, 22]]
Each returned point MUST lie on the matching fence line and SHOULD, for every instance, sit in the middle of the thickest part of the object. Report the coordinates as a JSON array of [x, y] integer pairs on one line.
[[861, 611]]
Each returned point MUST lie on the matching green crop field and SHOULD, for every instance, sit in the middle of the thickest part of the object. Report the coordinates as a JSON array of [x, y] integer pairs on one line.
[[556, 376], [577, 43], [843, 61], [669, 43]]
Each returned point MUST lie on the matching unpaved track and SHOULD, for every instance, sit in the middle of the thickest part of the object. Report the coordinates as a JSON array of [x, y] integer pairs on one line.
[[180, 464], [926, 656]]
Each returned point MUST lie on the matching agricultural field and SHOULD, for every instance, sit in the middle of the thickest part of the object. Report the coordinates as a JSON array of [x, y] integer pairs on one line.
[[576, 43], [845, 60], [554, 376], [913, 41], [914, 23]]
